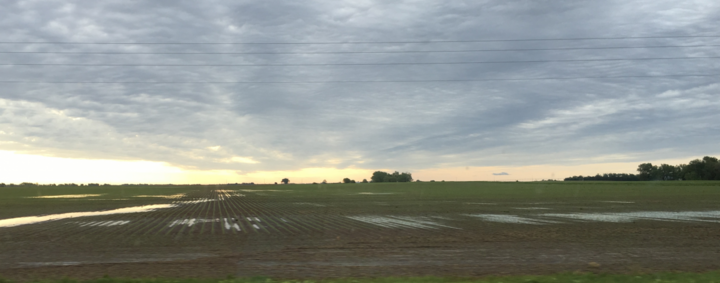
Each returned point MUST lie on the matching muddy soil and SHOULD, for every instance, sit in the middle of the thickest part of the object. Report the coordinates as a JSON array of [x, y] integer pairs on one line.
[[489, 250]]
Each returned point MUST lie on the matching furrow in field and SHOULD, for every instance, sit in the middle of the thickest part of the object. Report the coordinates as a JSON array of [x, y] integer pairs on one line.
[[214, 214], [191, 226], [242, 212], [308, 225], [313, 221], [156, 226], [254, 210], [149, 221], [102, 234], [42, 229], [335, 222], [91, 229], [238, 213], [324, 222], [280, 212], [229, 224], [266, 215], [50, 228], [351, 225], [192, 210], [192, 207], [204, 227], [220, 213]]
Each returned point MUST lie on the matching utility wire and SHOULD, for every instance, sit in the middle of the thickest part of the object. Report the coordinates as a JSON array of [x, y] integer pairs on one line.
[[362, 42], [359, 81], [358, 64], [361, 52]]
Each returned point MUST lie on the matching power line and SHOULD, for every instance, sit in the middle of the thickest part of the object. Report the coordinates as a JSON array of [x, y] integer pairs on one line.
[[360, 52], [362, 42], [359, 64], [359, 81]]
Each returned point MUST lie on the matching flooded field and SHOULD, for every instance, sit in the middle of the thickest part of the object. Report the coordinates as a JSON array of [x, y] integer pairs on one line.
[[412, 229]]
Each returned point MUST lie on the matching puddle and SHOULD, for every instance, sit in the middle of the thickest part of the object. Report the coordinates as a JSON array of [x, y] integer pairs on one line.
[[423, 220], [232, 193], [502, 218], [161, 196], [481, 203], [191, 222], [193, 201], [693, 216], [400, 222], [310, 204], [70, 196], [599, 217], [369, 193], [229, 226], [616, 201], [252, 191], [102, 223], [12, 222]]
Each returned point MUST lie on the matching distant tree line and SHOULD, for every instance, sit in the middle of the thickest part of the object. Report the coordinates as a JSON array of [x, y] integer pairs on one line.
[[383, 177], [707, 168], [605, 177]]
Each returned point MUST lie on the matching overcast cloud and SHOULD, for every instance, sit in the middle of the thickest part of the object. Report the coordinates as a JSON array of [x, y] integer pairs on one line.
[[407, 126]]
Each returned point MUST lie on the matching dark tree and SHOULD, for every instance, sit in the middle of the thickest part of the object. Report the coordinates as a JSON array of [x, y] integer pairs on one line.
[[647, 171], [364, 180], [285, 181], [706, 169], [380, 176], [605, 177]]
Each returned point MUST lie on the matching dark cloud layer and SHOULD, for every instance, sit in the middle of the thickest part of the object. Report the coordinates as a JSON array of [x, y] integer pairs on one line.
[[250, 127]]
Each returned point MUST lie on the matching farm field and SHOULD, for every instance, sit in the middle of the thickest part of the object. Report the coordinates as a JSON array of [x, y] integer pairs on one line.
[[359, 230]]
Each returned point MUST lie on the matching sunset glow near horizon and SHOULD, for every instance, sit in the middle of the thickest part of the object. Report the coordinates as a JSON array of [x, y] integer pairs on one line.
[[18, 168]]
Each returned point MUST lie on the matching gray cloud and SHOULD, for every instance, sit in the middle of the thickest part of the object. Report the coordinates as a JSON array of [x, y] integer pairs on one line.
[[369, 125], [500, 174]]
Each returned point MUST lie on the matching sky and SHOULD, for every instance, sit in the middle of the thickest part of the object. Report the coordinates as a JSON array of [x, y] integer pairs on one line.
[[321, 90]]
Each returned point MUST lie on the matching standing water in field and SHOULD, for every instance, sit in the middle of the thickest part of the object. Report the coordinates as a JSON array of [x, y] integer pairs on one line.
[[70, 196], [12, 222]]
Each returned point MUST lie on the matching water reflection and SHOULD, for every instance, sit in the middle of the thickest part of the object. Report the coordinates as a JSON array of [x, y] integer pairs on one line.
[[70, 196], [12, 222]]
